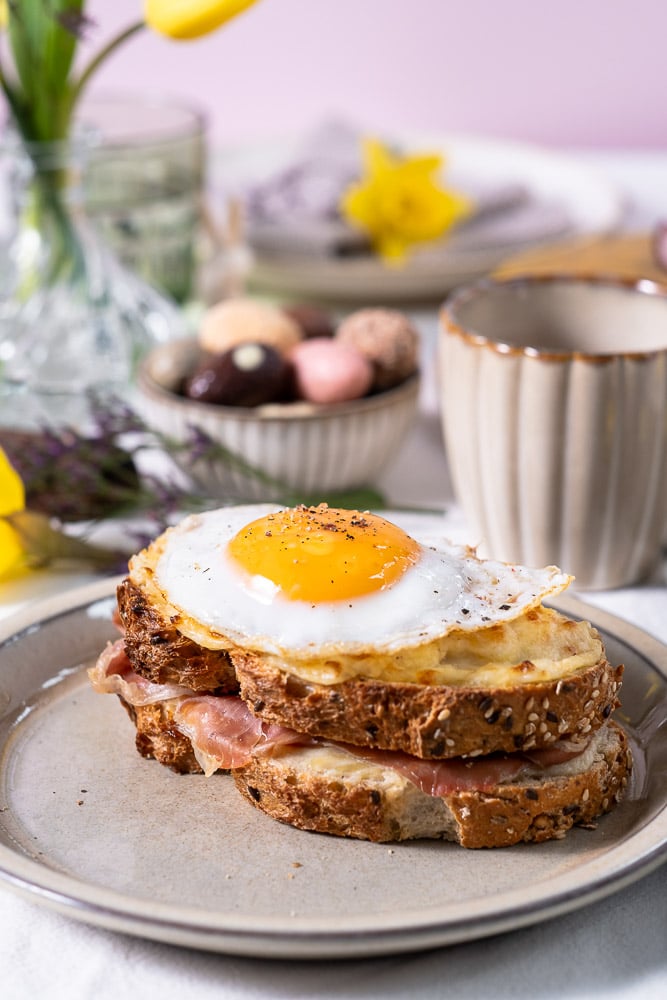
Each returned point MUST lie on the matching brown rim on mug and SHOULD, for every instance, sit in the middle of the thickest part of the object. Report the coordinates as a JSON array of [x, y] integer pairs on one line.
[[464, 295]]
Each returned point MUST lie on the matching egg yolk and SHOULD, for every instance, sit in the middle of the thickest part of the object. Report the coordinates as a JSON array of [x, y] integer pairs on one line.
[[323, 553]]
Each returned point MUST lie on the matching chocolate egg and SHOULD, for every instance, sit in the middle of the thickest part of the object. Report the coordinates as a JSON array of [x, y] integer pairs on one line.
[[327, 371], [313, 321], [387, 338], [246, 375], [244, 321]]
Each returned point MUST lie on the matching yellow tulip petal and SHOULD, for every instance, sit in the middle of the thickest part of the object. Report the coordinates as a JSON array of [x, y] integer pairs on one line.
[[12, 493], [11, 551], [184, 19]]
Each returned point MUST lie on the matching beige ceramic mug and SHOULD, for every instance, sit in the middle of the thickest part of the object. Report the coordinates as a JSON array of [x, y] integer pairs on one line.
[[554, 410]]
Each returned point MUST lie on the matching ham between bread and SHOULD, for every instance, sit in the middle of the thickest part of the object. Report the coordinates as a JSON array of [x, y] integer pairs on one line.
[[226, 735], [114, 674]]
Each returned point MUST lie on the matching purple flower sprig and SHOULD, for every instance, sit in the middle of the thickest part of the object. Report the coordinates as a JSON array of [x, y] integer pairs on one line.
[[74, 477]]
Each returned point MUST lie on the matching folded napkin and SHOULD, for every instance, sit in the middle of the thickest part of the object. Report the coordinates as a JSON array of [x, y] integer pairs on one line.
[[294, 210]]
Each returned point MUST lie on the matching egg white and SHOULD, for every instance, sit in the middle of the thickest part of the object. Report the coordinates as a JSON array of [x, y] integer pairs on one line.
[[448, 589]]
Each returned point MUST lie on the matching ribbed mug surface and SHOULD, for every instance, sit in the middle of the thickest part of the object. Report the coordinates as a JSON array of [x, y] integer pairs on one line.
[[554, 414]]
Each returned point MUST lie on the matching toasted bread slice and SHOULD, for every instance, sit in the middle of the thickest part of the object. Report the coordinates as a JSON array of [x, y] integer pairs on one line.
[[160, 739], [521, 685], [160, 653], [329, 790], [434, 721]]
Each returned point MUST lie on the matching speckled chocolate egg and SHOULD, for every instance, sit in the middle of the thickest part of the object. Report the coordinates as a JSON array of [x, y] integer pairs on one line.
[[327, 371], [244, 321], [313, 321], [246, 375], [387, 338]]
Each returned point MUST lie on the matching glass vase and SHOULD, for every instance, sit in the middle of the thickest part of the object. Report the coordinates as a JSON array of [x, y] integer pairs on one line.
[[73, 320]]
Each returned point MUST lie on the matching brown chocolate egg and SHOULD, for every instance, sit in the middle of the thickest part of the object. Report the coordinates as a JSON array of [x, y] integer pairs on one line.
[[313, 321], [246, 375]]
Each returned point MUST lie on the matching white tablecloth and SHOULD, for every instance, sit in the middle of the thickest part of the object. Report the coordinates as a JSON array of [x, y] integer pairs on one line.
[[615, 948]]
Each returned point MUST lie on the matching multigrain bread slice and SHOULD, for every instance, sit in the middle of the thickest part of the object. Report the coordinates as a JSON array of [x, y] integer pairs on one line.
[[488, 669], [160, 653], [332, 789], [159, 738], [434, 721], [328, 790]]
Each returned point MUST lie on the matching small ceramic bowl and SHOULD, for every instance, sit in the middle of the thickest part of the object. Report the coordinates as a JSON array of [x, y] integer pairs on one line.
[[553, 397], [308, 448]]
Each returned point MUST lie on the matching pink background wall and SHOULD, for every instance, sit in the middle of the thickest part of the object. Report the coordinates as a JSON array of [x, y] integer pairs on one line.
[[576, 73]]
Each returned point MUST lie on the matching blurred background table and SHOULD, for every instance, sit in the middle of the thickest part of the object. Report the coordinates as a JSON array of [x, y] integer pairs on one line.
[[614, 948]]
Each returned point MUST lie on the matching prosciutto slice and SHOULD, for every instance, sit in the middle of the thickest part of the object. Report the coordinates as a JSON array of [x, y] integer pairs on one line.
[[225, 734], [114, 674], [441, 777]]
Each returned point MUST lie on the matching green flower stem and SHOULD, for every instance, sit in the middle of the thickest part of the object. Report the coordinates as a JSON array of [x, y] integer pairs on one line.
[[44, 96], [47, 213], [101, 57], [43, 545], [41, 101]]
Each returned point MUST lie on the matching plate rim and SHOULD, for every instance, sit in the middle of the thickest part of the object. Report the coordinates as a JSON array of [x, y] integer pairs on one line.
[[305, 937]]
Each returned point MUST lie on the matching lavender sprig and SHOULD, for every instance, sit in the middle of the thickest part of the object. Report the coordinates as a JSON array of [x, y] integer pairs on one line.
[[76, 477]]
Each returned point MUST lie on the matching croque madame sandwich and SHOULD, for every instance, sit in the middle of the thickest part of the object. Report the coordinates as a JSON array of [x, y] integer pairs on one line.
[[361, 682]]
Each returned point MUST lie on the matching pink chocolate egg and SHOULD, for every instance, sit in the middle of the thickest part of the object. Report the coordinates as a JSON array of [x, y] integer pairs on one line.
[[328, 371]]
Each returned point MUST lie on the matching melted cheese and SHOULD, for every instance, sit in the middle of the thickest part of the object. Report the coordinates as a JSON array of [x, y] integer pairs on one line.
[[542, 645]]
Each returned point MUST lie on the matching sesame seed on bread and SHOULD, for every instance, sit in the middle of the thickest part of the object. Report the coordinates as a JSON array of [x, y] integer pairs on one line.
[[434, 721], [372, 802]]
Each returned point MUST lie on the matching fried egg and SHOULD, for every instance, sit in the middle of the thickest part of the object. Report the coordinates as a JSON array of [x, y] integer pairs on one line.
[[289, 582]]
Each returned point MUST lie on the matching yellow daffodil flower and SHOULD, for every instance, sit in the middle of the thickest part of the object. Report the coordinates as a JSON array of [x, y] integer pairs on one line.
[[399, 201], [182, 19], [12, 500]]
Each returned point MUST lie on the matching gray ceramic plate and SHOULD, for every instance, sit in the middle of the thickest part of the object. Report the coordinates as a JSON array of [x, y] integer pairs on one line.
[[92, 829]]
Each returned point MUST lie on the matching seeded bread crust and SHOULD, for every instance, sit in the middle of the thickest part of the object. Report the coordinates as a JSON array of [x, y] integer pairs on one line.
[[385, 809], [161, 654], [434, 721], [159, 738]]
